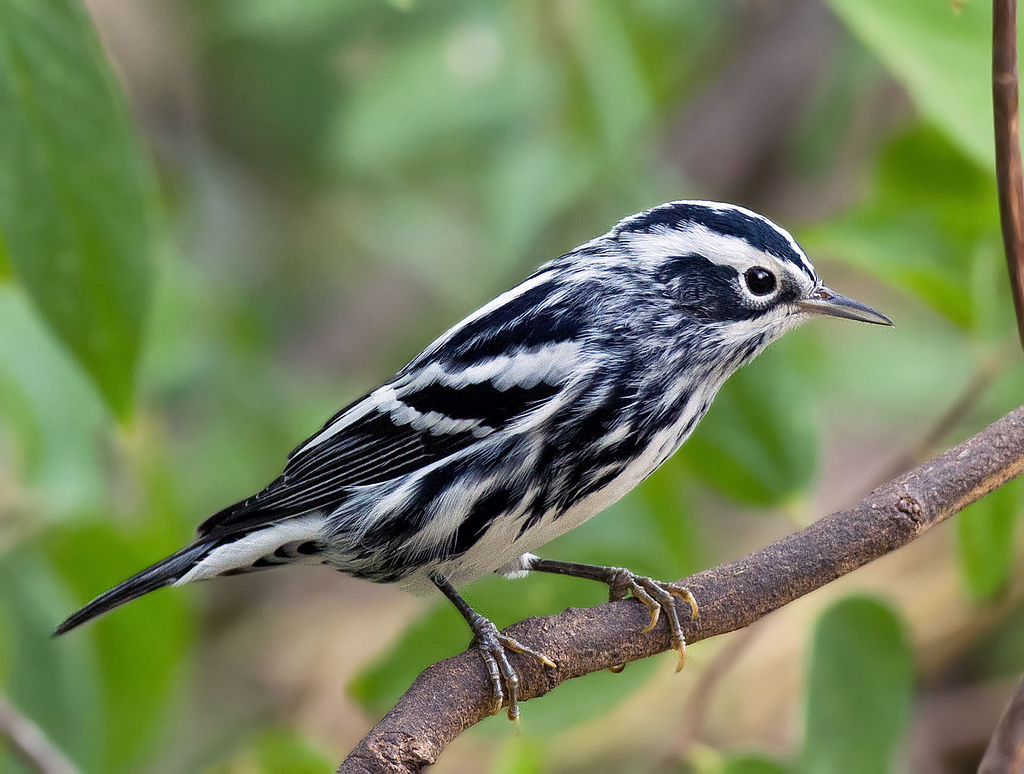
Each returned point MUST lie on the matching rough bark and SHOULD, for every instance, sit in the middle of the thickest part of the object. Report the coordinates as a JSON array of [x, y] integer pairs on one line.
[[452, 695]]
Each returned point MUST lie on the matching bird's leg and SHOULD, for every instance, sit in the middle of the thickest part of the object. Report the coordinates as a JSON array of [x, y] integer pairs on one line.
[[657, 595], [493, 646]]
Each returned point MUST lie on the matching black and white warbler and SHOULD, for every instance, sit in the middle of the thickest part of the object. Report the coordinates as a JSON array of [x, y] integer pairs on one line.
[[521, 422]]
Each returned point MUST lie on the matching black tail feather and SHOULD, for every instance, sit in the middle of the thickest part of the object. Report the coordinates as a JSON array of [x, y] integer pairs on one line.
[[163, 573]]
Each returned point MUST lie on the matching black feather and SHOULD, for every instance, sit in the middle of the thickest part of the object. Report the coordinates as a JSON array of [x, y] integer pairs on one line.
[[163, 573]]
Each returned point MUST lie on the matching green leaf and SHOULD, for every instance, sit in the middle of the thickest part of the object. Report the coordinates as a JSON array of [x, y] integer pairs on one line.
[[76, 192], [139, 649], [986, 545], [752, 764], [661, 501], [940, 51], [618, 93], [757, 443], [931, 217], [5, 261], [437, 93], [1001, 652], [437, 634], [273, 751], [50, 680], [859, 690], [521, 755], [51, 411], [279, 751]]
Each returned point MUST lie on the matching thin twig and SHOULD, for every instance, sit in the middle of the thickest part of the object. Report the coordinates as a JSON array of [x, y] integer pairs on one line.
[[29, 742], [1009, 172], [452, 695], [1005, 751]]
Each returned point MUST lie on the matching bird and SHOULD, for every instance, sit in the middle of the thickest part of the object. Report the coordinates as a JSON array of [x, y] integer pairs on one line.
[[522, 421]]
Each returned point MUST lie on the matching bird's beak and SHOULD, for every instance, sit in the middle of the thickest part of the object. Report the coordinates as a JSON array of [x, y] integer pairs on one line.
[[827, 302]]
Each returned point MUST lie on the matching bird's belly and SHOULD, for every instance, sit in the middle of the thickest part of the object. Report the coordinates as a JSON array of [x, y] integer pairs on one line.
[[502, 542]]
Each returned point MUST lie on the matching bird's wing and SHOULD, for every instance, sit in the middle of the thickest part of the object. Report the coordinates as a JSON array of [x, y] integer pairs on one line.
[[495, 370]]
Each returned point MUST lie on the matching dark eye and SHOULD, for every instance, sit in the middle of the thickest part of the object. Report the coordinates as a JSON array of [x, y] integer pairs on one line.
[[760, 281]]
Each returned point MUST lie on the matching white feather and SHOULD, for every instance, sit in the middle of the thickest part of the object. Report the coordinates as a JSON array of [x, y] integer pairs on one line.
[[241, 553]]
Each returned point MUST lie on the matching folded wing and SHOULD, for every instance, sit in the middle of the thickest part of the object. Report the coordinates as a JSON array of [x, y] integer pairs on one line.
[[495, 371]]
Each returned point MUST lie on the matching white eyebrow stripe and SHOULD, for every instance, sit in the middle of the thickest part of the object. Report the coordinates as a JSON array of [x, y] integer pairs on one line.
[[655, 245], [724, 207]]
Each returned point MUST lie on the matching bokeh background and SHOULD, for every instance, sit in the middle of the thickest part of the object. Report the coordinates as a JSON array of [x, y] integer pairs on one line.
[[306, 193]]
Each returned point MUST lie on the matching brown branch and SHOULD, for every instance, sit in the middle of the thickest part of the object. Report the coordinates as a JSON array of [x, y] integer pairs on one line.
[[1009, 174], [1006, 748], [452, 695], [1005, 751], [30, 744]]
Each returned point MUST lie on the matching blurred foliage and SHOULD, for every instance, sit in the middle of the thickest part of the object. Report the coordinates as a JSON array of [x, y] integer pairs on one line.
[[986, 531], [752, 764], [933, 217], [276, 750], [339, 182], [941, 53], [859, 693], [859, 689], [76, 194]]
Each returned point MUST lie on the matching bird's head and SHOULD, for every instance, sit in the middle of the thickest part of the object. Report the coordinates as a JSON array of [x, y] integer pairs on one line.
[[733, 274]]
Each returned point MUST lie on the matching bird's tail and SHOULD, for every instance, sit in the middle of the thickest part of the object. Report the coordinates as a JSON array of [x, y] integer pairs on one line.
[[163, 573]]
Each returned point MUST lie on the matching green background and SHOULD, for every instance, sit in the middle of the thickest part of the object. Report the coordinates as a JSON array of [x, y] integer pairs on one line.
[[222, 220]]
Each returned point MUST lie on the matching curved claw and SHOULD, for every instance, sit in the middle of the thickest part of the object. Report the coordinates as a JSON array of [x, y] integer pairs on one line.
[[659, 596], [493, 647], [517, 647], [678, 590], [682, 657], [653, 607]]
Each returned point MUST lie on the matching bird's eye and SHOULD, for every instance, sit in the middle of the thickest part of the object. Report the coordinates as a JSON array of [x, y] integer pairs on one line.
[[760, 281]]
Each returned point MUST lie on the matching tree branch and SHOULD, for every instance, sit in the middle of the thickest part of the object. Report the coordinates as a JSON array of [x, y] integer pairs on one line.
[[1006, 749], [1009, 173], [452, 695], [30, 744]]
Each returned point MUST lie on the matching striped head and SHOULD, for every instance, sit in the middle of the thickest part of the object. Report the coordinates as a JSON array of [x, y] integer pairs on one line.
[[721, 271]]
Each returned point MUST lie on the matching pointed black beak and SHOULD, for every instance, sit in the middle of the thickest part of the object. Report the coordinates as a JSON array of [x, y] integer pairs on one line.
[[825, 301]]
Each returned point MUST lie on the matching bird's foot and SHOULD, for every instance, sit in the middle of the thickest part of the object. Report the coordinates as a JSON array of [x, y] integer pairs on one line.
[[494, 647], [658, 596]]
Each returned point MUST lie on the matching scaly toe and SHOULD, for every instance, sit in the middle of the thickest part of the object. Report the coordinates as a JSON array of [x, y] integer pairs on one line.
[[653, 606], [677, 590], [517, 647], [659, 596], [492, 671], [494, 647]]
